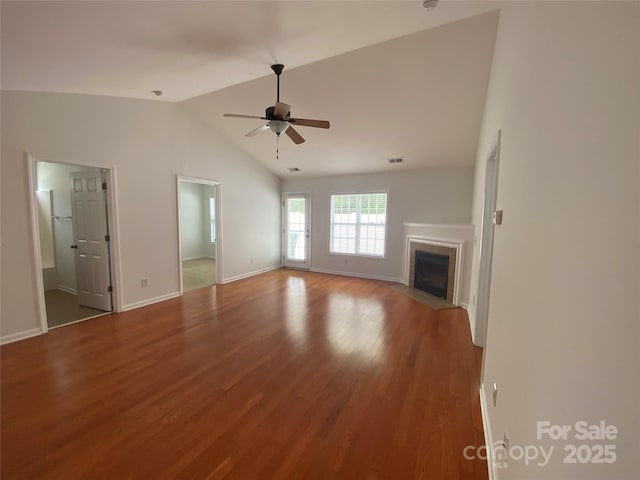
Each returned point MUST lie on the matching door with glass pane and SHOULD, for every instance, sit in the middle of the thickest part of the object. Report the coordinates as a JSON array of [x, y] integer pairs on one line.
[[296, 230]]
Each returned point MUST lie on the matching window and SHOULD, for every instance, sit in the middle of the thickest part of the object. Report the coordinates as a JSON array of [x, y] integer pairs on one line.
[[358, 224], [212, 217]]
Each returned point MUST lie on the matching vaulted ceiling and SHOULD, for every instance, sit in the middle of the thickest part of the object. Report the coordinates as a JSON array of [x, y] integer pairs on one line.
[[392, 79]]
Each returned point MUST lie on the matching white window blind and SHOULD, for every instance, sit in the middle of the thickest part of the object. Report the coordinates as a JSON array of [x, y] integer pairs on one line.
[[358, 224]]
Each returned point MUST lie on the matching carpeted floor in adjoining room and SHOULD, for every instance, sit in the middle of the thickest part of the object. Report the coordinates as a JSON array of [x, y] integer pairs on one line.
[[198, 273]]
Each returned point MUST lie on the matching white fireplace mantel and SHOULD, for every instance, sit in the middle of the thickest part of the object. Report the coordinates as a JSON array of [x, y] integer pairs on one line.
[[458, 237]]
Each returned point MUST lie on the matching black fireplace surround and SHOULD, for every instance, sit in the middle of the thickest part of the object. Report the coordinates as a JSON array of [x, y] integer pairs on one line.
[[431, 273]]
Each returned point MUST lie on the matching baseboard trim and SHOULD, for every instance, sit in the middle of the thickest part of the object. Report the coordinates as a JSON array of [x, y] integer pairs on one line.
[[467, 307], [250, 274], [149, 301], [70, 290], [488, 436], [14, 337], [357, 275]]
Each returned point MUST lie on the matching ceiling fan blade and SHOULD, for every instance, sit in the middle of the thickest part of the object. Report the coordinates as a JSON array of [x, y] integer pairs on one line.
[[305, 122], [294, 135], [233, 115], [260, 129], [281, 110]]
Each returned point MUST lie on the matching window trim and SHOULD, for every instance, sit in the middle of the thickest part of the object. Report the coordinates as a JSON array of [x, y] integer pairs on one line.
[[386, 223]]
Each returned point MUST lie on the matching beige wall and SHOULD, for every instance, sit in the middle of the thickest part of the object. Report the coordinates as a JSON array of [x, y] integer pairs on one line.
[[149, 143], [563, 330]]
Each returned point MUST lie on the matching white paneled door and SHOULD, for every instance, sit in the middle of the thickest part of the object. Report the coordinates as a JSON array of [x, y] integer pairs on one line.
[[296, 230], [91, 240]]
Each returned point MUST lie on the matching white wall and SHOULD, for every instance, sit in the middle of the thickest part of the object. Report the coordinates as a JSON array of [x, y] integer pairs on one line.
[[563, 329], [192, 226], [55, 177], [438, 195], [149, 143]]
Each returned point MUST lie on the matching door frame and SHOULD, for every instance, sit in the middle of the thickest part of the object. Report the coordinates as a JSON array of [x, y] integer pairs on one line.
[[284, 228], [486, 242], [112, 221], [218, 195]]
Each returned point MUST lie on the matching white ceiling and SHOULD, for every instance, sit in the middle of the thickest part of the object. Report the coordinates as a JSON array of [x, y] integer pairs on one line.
[[419, 96]]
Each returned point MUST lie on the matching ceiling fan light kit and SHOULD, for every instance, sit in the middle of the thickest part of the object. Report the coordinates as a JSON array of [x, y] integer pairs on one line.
[[279, 118]]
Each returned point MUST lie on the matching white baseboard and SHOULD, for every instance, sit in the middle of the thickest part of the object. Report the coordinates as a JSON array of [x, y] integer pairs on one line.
[[66, 289], [467, 307], [14, 337], [357, 275], [488, 436], [250, 274], [150, 301]]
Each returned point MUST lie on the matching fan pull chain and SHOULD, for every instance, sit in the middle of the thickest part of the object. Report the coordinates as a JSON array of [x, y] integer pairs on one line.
[[277, 146]]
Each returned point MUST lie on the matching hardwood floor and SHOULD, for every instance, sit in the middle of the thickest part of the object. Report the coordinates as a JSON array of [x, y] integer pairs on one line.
[[286, 375]]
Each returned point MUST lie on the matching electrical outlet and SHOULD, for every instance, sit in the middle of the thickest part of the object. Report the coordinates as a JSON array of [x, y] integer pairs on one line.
[[144, 282], [495, 394], [473, 302], [251, 259]]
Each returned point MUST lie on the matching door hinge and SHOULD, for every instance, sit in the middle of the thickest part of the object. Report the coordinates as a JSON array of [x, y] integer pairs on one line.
[[104, 185], [107, 238], [109, 289]]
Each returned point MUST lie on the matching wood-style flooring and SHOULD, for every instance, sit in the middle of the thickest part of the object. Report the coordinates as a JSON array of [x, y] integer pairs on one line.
[[285, 375]]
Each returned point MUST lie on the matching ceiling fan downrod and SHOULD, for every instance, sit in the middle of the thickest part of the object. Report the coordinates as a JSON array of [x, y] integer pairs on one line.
[[277, 69]]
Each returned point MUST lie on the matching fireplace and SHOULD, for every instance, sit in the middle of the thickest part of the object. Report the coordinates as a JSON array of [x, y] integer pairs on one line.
[[431, 273], [432, 267]]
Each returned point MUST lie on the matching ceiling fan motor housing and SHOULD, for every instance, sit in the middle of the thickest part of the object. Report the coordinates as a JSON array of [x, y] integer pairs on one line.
[[270, 114]]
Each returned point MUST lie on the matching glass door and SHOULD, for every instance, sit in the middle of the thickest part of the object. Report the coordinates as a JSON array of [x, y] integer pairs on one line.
[[296, 230]]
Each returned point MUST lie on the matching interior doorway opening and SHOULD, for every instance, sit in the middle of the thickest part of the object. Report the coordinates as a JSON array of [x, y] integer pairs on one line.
[[199, 233], [73, 229]]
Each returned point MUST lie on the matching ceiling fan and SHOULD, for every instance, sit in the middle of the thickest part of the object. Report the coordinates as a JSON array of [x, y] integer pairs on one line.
[[279, 118]]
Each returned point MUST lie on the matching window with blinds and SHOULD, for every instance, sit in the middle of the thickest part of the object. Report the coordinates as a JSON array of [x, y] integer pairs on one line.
[[358, 224]]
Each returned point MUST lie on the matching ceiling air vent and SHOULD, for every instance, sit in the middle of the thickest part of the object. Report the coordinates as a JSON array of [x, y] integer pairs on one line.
[[396, 160]]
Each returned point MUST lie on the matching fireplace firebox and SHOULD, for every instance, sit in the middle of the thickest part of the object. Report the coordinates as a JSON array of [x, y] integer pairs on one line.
[[431, 273]]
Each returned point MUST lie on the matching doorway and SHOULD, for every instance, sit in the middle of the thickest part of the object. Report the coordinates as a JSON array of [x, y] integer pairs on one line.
[[72, 241], [486, 243], [199, 233], [296, 230]]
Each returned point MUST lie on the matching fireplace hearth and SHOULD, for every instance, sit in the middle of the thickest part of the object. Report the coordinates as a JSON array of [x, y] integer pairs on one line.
[[431, 273]]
